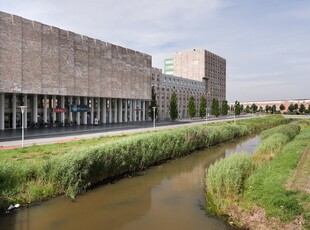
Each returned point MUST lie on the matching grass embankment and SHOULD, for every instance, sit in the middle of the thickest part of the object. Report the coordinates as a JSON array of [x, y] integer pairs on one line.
[[24, 180], [262, 191]]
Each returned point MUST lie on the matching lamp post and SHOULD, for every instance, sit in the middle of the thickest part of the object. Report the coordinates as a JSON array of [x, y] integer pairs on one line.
[[23, 109], [206, 114], [154, 117]]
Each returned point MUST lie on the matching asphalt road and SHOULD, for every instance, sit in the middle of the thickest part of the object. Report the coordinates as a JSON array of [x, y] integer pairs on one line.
[[38, 136]]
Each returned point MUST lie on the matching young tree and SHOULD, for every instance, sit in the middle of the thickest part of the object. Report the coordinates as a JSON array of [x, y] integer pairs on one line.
[[273, 109], [247, 109], [296, 107], [282, 107], [191, 107], [173, 107], [260, 109], [254, 108], [215, 107], [202, 107], [153, 104], [225, 108], [291, 108], [302, 108], [241, 108], [237, 108]]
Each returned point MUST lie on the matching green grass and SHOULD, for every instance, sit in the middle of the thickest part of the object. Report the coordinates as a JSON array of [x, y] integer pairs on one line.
[[36, 175], [266, 187]]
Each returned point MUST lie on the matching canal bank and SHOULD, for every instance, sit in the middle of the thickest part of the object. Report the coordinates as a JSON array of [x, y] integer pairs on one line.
[[167, 196], [263, 199]]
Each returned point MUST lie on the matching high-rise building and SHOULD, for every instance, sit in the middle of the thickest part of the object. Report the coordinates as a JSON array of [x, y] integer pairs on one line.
[[202, 65]]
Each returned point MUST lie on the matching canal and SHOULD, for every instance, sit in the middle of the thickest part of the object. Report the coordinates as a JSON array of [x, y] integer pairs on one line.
[[168, 196]]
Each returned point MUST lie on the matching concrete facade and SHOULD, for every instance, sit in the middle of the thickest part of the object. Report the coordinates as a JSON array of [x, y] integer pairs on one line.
[[49, 69], [202, 65], [165, 85]]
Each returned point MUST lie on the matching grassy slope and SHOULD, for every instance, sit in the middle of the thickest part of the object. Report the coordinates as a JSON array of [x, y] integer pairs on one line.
[[267, 186]]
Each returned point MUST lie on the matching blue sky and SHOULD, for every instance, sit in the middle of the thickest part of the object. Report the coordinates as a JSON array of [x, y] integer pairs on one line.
[[266, 43]]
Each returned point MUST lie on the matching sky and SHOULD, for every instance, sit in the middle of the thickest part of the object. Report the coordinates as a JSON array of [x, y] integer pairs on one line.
[[266, 43]]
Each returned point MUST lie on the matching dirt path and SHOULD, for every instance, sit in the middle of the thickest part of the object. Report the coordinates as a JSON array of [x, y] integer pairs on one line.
[[301, 178]]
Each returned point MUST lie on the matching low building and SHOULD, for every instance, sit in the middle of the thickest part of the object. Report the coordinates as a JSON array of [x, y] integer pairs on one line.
[[62, 76]]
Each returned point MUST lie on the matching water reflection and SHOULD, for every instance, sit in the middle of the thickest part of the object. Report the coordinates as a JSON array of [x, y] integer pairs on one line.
[[169, 196]]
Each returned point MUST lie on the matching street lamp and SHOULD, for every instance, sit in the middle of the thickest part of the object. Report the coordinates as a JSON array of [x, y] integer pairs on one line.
[[23, 109], [154, 117], [206, 114]]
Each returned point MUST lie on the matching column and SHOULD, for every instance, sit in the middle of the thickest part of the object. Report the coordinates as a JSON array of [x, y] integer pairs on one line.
[[110, 110], [2, 111], [70, 112], [54, 106], [134, 111], [92, 111], [120, 110], [14, 110], [85, 113], [115, 110], [130, 110], [104, 111], [62, 105], [26, 113], [35, 108], [139, 111], [78, 114], [143, 110], [98, 109], [45, 108], [126, 110]]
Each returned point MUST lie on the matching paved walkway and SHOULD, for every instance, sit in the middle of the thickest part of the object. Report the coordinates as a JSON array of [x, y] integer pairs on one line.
[[38, 136]]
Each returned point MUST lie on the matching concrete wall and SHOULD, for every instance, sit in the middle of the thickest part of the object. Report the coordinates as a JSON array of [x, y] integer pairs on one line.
[[41, 59]]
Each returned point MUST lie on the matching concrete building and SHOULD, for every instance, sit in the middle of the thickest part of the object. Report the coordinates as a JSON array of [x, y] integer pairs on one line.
[[185, 88], [202, 65], [62, 76]]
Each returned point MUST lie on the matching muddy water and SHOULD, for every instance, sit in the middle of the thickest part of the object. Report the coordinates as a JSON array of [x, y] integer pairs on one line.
[[169, 196]]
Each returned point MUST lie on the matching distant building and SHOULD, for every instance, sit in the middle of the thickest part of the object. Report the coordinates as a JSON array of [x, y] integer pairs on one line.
[[277, 103], [168, 66]]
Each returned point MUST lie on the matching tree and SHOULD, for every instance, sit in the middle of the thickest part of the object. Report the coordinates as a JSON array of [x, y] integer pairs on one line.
[[296, 107], [202, 107], [225, 108], [241, 108], [173, 107], [191, 107], [273, 109], [254, 108], [291, 107], [237, 108], [302, 108], [247, 109], [215, 107], [153, 104], [266, 108], [282, 107], [260, 109]]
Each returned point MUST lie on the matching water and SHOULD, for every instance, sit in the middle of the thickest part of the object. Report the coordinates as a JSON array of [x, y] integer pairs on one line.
[[169, 196]]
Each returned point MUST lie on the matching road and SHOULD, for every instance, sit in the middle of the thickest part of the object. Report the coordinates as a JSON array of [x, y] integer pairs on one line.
[[40, 136]]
